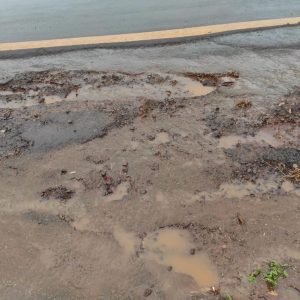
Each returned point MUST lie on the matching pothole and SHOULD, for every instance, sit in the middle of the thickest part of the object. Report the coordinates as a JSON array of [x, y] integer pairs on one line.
[[174, 249]]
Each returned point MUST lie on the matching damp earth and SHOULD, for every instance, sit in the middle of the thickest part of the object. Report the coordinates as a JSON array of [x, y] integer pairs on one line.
[[166, 173]]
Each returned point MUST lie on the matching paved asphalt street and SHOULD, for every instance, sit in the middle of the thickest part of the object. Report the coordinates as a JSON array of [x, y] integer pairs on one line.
[[25, 20]]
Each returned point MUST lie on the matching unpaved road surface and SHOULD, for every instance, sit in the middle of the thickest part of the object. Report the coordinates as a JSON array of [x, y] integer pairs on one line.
[[152, 173]]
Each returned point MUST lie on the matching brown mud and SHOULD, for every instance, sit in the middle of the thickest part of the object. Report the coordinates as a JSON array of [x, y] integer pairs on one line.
[[122, 185]]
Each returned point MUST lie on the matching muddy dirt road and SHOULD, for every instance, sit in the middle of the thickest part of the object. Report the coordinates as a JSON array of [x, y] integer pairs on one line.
[[153, 173]]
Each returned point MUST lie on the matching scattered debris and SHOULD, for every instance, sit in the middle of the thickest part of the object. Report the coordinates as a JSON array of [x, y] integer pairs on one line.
[[145, 109], [240, 219], [293, 175], [244, 104], [211, 79]]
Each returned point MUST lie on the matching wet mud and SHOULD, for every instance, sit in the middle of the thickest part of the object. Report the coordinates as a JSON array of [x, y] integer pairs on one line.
[[148, 184]]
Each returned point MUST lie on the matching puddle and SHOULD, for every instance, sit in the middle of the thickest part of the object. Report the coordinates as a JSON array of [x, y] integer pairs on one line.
[[239, 190], [196, 89], [171, 247], [52, 99], [127, 89], [127, 240], [119, 193], [263, 136]]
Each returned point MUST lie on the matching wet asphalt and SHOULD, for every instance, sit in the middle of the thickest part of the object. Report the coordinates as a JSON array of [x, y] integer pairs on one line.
[[24, 20]]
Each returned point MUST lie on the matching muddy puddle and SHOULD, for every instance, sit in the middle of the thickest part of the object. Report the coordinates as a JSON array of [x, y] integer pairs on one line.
[[173, 249], [100, 87], [263, 136]]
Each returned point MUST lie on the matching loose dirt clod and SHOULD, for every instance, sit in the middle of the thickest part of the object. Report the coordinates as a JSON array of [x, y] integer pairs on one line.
[[244, 104], [60, 193], [147, 292], [240, 219]]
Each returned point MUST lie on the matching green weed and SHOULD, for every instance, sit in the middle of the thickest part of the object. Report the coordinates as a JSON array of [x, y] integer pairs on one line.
[[275, 271], [253, 275]]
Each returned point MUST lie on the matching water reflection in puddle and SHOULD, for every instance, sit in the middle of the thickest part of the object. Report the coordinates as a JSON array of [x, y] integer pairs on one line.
[[172, 248]]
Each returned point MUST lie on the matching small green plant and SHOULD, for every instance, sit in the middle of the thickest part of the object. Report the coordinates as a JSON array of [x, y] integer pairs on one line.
[[228, 297], [275, 271], [252, 277], [272, 274]]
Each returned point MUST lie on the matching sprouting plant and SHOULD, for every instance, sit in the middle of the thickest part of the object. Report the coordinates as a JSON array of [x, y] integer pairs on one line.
[[275, 271], [252, 277]]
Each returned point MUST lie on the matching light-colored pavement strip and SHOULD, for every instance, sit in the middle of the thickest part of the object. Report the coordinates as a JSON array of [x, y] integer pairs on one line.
[[150, 36]]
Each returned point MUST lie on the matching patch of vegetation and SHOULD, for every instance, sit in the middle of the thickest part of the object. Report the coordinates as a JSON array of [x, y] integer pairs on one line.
[[275, 271], [252, 277], [271, 276], [228, 297]]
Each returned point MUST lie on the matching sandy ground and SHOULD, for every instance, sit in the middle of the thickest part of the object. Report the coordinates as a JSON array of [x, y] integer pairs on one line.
[[159, 173]]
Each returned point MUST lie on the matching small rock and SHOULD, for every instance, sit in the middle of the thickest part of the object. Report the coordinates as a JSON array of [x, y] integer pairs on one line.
[[193, 251], [170, 268], [70, 121], [147, 292], [143, 192], [151, 137], [63, 172], [125, 167]]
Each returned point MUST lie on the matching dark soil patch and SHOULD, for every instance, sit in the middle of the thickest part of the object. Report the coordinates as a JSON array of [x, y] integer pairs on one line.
[[255, 162], [287, 111], [59, 193], [46, 219]]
